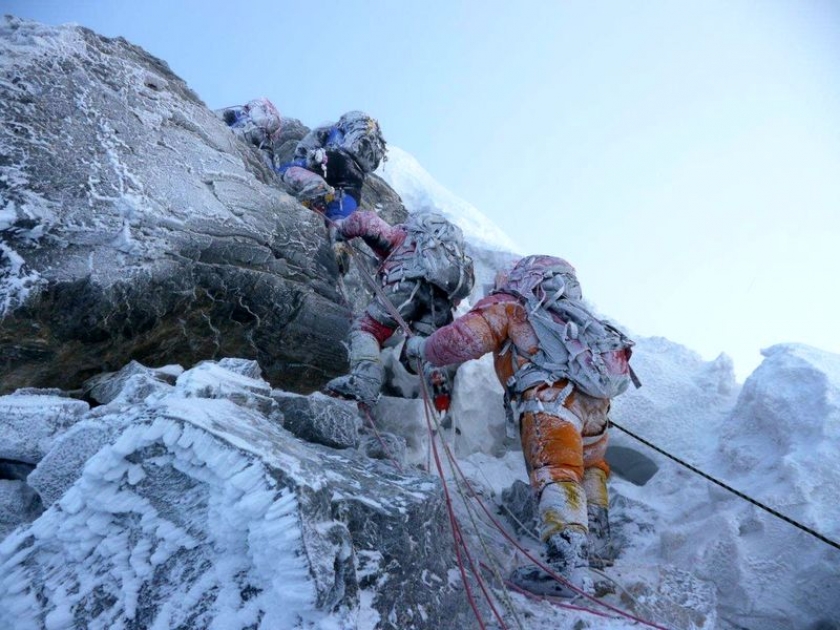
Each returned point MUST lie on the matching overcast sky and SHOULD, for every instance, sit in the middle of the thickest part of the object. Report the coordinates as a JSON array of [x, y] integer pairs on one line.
[[684, 156]]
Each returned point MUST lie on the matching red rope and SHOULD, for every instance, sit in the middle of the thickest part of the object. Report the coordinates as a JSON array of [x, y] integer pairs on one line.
[[456, 532], [370, 281], [459, 535], [542, 566], [481, 584]]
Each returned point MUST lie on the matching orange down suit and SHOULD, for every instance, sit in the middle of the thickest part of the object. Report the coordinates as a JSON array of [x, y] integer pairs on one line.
[[563, 430]]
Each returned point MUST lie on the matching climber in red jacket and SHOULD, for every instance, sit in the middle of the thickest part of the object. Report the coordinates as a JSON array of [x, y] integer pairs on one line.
[[559, 366]]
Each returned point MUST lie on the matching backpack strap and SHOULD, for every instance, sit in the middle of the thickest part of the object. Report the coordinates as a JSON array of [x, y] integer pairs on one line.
[[529, 374]]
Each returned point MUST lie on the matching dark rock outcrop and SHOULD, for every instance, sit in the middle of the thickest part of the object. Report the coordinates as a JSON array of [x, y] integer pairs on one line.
[[135, 225]]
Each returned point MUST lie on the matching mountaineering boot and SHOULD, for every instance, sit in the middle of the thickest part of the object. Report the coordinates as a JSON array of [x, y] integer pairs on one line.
[[361, 385], [601, 553], [534, 579], [366, 372], [567, 557]]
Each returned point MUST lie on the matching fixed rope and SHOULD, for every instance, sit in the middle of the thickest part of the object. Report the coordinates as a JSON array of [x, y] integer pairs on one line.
[[460, 543], [387, 451], [737, 493], [428, 407], [543, 566], [456, 532], [685, 464]]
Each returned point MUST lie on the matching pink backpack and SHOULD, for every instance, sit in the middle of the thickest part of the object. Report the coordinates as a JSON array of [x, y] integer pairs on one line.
[[573, 343]]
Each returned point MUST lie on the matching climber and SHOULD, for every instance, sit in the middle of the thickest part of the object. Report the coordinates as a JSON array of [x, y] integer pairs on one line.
[[329, 168], [331, 162], [257, 122], [424, 274], [559, 366]]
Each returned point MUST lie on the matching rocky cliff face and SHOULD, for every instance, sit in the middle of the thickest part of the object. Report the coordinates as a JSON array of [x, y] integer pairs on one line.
[[135, 226], [135, 230]]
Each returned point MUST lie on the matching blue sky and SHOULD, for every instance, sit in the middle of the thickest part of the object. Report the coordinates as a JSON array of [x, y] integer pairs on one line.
[[684, 156]]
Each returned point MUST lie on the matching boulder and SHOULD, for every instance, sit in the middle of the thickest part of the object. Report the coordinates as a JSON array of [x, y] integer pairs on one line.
[[135, 381], [203, 512], [30, 421], [19, 504], [319, 419], [135, 226]]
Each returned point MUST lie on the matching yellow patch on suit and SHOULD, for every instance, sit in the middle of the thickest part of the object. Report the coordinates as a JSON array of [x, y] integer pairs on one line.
[[595, 487], [562, 507]]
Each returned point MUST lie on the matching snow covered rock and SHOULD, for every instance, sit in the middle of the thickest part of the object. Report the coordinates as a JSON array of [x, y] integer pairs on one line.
[[780, 448], [478, 410], [776, 442], [520, 508], [18, 504], [680, 391], [62, 466], [30, 421], [134, 225], [202, 511], [237, 380], [134, 382], [320, 419], [405, 418]]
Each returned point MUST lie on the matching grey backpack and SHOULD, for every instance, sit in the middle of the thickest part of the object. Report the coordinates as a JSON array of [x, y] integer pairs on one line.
[[434, 251], [573, 343], [359, 135]]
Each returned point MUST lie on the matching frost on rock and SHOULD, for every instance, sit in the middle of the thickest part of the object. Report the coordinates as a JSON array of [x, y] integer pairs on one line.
[[62, 466], [30, 421], [319, 419], [18, 504], [201, 512], [134, 225], [236, 380], [142, 529], [133, 383]]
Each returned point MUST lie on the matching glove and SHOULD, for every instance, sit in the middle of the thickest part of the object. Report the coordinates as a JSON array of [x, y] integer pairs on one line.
[[315, 159], [414, 347], [440, 387]]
